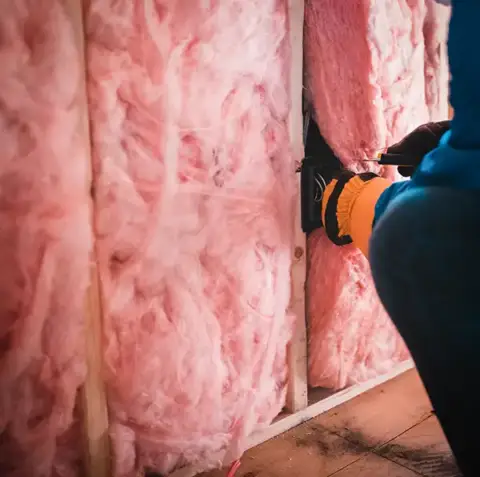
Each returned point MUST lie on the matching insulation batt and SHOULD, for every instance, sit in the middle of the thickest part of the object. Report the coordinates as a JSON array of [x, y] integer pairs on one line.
[[376, 70], [194, 185], [45, 240]]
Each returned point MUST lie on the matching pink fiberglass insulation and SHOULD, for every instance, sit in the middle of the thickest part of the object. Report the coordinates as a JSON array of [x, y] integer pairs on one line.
[[45, 240], [194, 182], [375, 71]]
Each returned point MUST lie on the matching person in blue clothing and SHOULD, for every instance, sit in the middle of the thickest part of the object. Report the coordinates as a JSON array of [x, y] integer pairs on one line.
[[422, 238]]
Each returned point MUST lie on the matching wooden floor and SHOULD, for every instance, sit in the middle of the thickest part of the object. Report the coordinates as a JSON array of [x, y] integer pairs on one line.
[[390, 431]]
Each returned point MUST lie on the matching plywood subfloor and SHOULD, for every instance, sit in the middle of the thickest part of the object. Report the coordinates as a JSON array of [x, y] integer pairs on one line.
[[389, 431]]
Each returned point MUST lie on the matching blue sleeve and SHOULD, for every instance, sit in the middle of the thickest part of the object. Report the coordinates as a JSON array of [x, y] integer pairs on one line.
[[455, 162]]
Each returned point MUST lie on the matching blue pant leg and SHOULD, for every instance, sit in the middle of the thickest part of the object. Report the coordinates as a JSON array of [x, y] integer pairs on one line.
[[425, 258]]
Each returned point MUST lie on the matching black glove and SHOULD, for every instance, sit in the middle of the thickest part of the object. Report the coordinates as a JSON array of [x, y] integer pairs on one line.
[[418, 144]]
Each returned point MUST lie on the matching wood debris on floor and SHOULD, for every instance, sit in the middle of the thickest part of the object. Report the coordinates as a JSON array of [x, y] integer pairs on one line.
[[389, 431]]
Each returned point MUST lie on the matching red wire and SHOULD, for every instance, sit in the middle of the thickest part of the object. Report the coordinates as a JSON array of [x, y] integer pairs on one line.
[[234, 468]]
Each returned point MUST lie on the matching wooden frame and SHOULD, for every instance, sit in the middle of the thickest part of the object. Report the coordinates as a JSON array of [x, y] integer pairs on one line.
[[302, 403], [97, 459], [297, 391]]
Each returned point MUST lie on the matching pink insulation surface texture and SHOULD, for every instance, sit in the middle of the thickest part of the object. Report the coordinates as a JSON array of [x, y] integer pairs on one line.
[[375, 71], [194, 186], [45, 240]]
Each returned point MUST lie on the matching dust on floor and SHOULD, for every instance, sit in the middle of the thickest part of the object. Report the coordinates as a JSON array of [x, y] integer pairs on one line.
[[388, 431]]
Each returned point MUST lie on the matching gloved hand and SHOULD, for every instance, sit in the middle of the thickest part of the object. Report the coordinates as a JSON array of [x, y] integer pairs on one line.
[[418, 144]]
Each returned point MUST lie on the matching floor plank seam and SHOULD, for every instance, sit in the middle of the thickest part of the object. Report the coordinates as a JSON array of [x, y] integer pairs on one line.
[[399, 464], [373, 450], [348, 465], [449, 467], [376, 448]]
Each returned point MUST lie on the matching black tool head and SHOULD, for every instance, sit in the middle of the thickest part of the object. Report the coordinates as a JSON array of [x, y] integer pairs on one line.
[[319, 167]]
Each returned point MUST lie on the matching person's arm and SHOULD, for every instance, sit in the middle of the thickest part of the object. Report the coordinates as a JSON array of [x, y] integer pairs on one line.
[[455, 162], [352, 203]]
